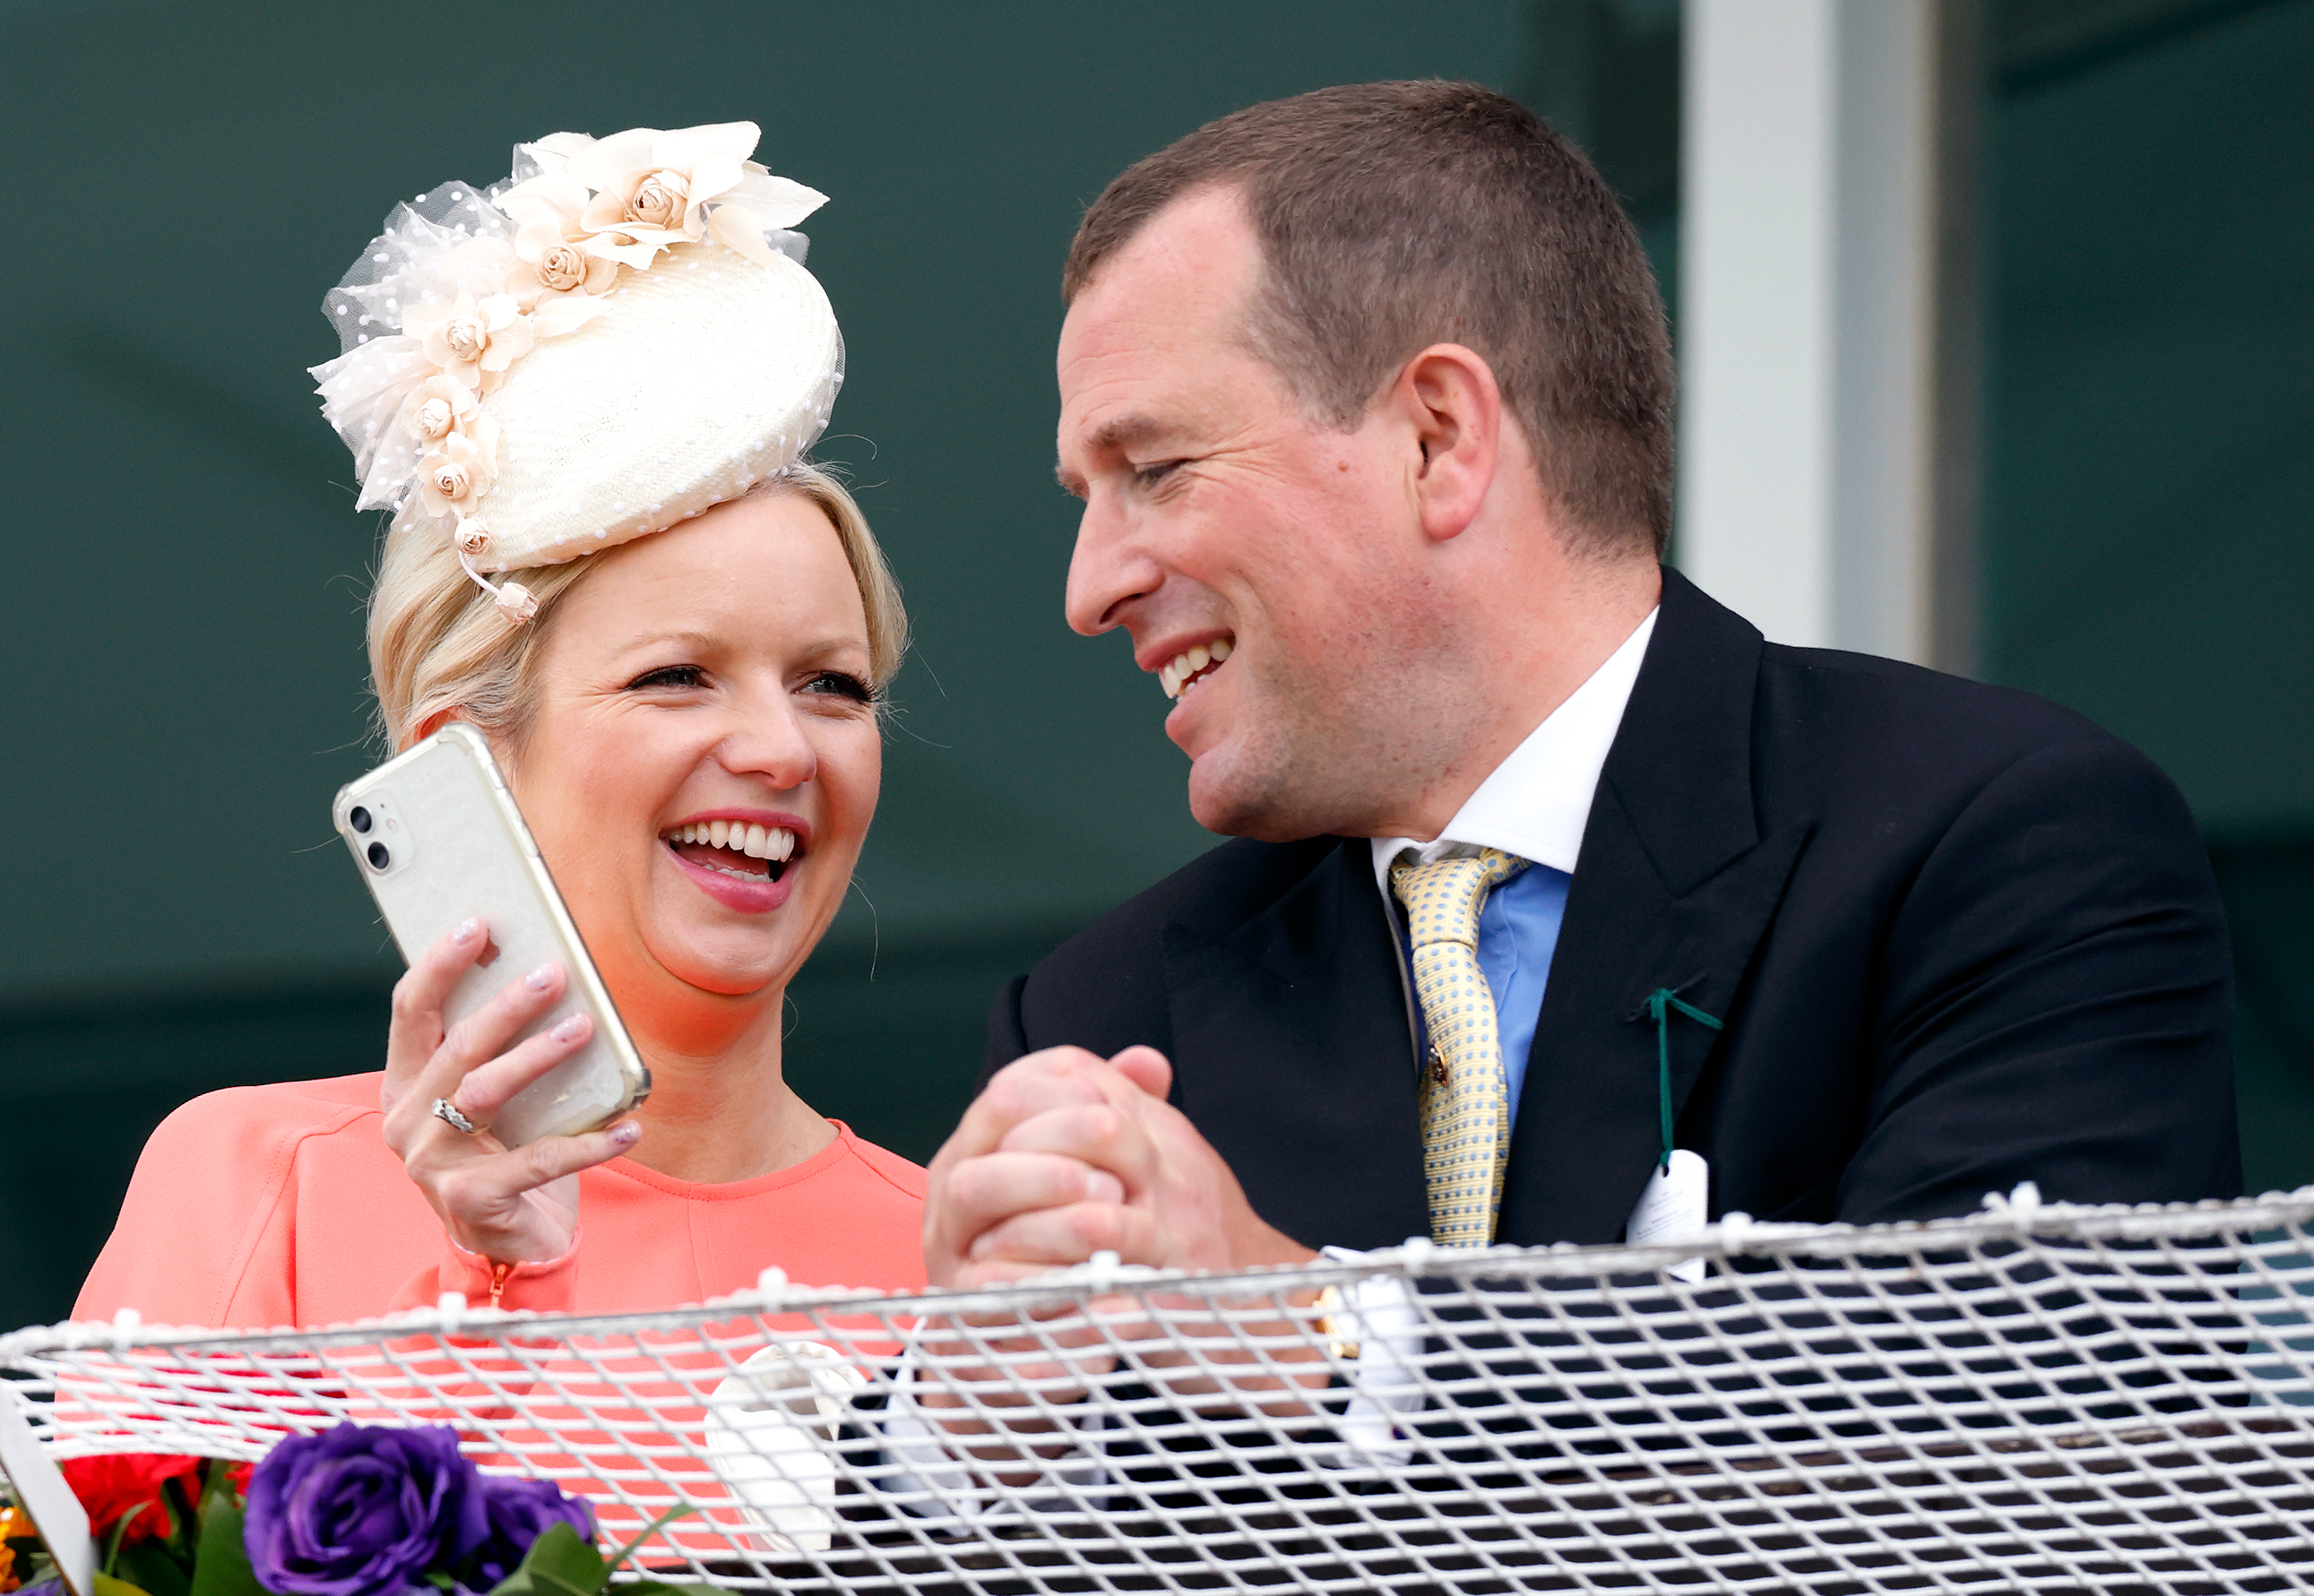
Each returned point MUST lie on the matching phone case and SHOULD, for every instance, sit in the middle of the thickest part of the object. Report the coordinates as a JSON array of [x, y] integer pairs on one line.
[[438, 837]]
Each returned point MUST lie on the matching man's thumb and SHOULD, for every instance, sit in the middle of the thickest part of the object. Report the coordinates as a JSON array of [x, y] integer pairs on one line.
[[1146, 1068]]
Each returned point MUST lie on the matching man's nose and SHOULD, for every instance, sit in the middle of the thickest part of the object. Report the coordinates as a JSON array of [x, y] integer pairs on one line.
[[1107, 569]]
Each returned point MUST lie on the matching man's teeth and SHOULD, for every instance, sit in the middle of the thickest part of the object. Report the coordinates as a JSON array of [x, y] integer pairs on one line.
[[773, 842], [1177, 674]]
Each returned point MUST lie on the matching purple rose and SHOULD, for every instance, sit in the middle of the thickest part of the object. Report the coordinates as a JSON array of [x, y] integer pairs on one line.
[[361, 1512], [520, 1511]]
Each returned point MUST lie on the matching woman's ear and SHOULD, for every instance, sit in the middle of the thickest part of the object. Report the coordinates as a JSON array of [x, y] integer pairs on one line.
[[1449, 394], [432, 724]]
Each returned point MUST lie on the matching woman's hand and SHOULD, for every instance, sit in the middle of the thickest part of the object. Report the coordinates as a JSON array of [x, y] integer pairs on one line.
[[512, 1206]]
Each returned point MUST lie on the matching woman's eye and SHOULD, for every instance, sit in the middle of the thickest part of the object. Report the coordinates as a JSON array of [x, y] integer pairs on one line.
[[669, 676], [842, 684]]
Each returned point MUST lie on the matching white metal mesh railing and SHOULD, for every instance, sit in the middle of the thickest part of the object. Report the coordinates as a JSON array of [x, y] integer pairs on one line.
[[2031, 1398]]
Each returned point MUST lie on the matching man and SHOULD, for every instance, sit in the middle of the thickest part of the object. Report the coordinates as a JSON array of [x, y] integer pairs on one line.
[[1547, 865]]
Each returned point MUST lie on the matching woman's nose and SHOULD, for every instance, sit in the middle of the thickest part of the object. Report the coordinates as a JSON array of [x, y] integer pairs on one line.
[[773, 743]]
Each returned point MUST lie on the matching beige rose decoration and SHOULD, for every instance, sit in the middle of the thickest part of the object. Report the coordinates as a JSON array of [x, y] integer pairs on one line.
[[475, 340], [441, 405], [553, 265], [626, 198], [456, 475]]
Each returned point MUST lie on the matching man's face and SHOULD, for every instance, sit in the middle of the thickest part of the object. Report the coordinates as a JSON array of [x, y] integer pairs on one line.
[[1268, 566]]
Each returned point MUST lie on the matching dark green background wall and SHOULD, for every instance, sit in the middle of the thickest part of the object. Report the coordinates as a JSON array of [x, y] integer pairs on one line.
[[180, 607]]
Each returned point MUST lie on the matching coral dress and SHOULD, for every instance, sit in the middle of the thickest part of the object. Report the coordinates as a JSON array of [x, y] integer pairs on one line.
[[270, 1206]]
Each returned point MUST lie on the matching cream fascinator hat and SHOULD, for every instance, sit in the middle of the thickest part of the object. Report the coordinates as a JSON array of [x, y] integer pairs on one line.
[[615, 338]]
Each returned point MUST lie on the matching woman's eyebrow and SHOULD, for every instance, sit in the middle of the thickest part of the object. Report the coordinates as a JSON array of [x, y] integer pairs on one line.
[[707, 642], [687, 637]]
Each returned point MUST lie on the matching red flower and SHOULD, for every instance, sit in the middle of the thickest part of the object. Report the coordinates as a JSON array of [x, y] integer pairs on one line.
[[109, 1487]]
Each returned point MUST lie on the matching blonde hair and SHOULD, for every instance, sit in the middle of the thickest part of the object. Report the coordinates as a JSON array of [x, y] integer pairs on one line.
[[437, 642]]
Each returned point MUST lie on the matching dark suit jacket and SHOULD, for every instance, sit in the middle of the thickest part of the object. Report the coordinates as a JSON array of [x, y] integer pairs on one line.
[[1959, 937]]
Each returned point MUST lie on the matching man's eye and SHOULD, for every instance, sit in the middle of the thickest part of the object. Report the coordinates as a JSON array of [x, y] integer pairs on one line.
[[669, 676], [842, 684], [1151, 476]]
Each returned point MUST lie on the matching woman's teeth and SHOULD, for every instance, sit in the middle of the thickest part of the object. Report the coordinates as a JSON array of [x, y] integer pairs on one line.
[[1184, 671], [775, 844]]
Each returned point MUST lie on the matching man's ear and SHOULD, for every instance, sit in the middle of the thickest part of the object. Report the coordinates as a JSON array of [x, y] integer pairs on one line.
[[1448, 394]]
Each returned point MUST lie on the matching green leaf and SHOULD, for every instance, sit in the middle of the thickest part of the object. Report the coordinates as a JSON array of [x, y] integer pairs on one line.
[[558, 1563], [119, 1528], [106, 1585], [678, 1510], [653, 1587], [175, 1530], [153, 1565], [221, 1562], [215, 1487]]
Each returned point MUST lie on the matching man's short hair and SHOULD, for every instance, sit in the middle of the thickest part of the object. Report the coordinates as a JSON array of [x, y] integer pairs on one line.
[[1395, 216]]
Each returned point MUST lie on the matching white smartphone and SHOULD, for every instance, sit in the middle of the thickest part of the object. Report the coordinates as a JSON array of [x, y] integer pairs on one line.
[[438, 838]]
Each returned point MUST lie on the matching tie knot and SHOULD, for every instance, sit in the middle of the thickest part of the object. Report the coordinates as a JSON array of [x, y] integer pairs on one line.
[[1443, 898]]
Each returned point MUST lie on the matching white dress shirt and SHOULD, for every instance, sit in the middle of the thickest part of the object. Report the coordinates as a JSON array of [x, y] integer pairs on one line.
[[1537, 802], [1534, 804]]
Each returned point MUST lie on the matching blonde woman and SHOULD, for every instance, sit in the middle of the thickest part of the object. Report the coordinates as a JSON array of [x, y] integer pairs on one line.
[[683, 689]]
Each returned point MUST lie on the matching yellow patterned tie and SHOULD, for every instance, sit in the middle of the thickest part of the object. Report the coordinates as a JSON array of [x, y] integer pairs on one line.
[[1466, 1130]]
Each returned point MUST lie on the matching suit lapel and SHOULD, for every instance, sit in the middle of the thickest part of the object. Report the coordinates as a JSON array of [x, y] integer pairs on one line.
[[1673, 888], [1292, 1057]]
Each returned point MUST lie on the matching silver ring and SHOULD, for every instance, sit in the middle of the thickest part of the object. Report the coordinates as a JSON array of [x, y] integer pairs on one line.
[[447, 1112]]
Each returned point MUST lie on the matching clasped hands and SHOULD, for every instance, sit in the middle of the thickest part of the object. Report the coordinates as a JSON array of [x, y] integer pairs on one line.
[[1062, 1155]]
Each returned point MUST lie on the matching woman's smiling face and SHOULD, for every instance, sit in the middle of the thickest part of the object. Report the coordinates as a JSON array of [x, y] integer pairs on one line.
[[704, 756]]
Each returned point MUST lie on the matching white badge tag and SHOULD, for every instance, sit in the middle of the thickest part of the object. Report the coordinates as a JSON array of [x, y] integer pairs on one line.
[[1675, 1206]]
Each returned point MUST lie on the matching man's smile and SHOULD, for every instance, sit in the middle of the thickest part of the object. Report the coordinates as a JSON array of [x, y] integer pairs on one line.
[[1192, 665]]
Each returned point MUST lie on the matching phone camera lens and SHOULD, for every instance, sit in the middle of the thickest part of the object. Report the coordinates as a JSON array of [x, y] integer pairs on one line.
[[358, 818], [378, 857]]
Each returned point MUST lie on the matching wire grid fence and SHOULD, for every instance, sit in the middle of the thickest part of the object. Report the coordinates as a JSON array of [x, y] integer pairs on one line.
[[2034, 1397]]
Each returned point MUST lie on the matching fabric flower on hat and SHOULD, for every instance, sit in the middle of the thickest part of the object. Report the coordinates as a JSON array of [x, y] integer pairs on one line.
[[553, 206], [636, 193], [659, 181], [475, 340], [553, 263], [439, 406], [758, 202], [456, 475]]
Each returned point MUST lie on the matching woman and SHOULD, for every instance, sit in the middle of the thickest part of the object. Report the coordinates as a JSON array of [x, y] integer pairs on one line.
[[602, 374]]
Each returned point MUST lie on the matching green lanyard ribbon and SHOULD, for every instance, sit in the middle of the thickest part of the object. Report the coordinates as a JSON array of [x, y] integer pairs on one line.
[[1660, 1003]]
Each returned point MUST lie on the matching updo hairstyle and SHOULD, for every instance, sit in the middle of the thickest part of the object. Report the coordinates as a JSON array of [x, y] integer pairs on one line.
[[437, 641]]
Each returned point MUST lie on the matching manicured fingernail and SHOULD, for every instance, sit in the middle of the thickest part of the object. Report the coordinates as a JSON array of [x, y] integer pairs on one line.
[[540, 979], [625, 1133], [570, 1028], [466, 931], [1101, 1187]]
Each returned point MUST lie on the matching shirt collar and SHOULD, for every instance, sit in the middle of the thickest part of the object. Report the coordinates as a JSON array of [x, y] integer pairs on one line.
[[1536, 802]]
